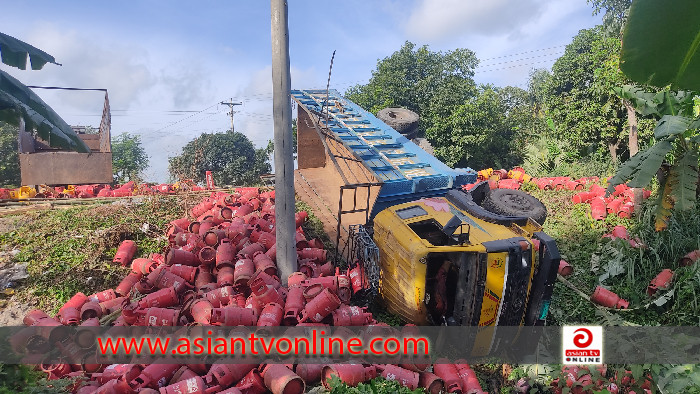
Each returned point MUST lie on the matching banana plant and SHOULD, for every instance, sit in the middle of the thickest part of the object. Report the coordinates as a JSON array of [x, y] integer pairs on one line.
[[676, 140], [18, 101]]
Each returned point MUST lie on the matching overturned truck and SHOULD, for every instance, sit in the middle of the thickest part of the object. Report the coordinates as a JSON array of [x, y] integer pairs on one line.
[[435, 253]]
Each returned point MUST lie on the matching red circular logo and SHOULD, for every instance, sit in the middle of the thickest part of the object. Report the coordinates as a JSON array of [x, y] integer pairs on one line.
[[583, 339]]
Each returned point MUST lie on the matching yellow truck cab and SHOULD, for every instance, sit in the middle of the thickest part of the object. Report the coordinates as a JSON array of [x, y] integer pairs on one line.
[[444, 265]]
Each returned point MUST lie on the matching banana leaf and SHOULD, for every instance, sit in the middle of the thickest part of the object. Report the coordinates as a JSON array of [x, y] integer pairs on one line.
[[17, 100], [14, 53], [660, 43]]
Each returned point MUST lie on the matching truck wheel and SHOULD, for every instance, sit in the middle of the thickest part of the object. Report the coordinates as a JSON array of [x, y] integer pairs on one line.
[[515, 203], [402, 120]]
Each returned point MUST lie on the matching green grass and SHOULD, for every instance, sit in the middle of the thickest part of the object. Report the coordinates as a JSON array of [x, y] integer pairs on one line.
[[71, 250], [580, 242]]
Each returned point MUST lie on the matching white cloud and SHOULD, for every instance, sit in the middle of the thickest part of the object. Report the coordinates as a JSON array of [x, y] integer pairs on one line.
[[434, 20]]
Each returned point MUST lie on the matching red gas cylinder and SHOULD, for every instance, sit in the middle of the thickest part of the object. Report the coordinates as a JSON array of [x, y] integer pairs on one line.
[[103, 296], [225, 276], [226, 375], [265, 293], [90, 310], [272, 252], [320, 306], [225, 253], [201, 208], [114, 386], [233, 316], [615, 205], [431, 383], [214, 236], [111, 306], [76, 301], [124, 287], [205, 225], [351, 316], [293, 305], [470, 383], [35, 315], [357, 278], [126, 372], [607, 298], [296, 278], [186, 272], [449, 374], [312, 253], [204, 278], [310, 373], [281, 380], [620, 189], [509, 184], [125, 252], [143, 266], [583, 197], [264, 238], [271, 315], [69, 316], [626, 210], [252, 303], [690, 258], [201, 311], [179, 256], [252, 383], [154, 376], [207, 256], [264, 263], [403, 376], [661, 281], [162, 317], [597, 190], [220, 296], [250, 250], [350, 374], [162, 298], [565, 269], [194, 385], [598, 209], [573, 185], [168, 279], [181, 374], [543, 183], [243, 271]]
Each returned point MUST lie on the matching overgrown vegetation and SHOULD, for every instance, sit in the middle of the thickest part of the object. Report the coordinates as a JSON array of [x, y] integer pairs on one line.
[[71, 250]]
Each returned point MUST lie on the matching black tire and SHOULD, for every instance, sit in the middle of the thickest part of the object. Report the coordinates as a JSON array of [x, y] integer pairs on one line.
[[515, 203], [402, 120]]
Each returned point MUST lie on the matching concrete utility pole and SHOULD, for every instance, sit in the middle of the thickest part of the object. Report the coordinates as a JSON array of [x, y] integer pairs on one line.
[[230, 106], [284, 162]]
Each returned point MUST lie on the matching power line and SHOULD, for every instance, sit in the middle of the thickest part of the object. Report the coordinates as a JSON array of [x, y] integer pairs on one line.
[[523, 53], [518, 60]]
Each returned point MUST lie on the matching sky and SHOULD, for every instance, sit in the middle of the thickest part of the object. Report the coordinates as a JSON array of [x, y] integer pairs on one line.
[[167, 65]]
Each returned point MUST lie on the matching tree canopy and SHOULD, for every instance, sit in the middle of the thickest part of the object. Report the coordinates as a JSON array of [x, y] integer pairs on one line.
[[467, 125], [129, 158], [231, 157]]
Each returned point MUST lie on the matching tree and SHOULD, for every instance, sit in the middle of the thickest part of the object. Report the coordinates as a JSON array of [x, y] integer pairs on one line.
[[481, 132], [231, 157], [129, 159], [9, 159], [615, 14], [431, 84], [579, 100]]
